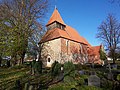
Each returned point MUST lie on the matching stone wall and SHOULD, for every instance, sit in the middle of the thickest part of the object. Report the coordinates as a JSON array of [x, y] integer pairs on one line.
[[63, 50], [51, 51], [73, 51]]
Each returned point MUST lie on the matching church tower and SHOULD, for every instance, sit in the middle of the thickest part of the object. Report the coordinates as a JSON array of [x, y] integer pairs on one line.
[[55, 21]]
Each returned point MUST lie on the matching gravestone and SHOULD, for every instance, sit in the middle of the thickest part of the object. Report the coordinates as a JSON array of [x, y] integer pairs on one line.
[[110, 76], [114, 66], [81, 72], [94, 80]]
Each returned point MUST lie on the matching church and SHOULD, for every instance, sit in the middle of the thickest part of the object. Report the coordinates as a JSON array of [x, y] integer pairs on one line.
[[62, 43]]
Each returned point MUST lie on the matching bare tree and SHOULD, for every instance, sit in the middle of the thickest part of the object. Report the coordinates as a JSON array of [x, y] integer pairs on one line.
[[109, 33]]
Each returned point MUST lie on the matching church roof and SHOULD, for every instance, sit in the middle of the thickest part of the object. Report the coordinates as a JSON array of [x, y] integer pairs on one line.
[[94, 50], [69, 32], [55, 17]]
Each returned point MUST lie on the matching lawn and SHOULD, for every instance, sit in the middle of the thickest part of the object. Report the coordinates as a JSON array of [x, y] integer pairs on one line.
[[47, 80], [8, 76]]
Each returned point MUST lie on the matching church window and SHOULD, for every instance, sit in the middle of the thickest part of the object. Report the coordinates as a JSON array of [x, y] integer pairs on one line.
[[48, 59]]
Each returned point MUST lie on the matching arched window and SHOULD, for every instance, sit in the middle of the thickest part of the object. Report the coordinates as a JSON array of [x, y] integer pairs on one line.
[[49, 59]]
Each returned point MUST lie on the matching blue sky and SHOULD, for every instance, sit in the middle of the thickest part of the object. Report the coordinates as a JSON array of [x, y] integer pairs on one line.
[[85, 15]]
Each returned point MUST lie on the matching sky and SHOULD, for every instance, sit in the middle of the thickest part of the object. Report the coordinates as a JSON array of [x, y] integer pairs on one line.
[[85, 15]]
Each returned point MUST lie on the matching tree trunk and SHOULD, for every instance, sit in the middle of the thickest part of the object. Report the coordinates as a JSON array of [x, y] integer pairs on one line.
[[22, 57], [113, 61], [40, 50], [0, 60]]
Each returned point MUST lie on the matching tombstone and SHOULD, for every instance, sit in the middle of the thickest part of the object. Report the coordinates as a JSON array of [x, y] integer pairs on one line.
[[114, 66], [81, 72], [94, 80], [110, 76]]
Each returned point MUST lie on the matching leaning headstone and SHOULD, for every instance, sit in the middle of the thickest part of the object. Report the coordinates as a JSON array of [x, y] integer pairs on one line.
[[94, 80]]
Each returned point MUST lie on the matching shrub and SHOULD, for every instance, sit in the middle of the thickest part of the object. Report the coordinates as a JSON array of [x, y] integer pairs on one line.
[[69, 69], [38, 67], [106, 84], [118, 77], [80, 81], [81, 67], [56, 68]]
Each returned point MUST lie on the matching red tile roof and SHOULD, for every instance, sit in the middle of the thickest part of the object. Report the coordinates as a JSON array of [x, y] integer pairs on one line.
[[94, 50], [55, 17], [68, 33]]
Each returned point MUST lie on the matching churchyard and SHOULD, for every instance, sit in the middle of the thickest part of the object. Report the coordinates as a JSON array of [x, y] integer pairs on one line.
[[31, 76]]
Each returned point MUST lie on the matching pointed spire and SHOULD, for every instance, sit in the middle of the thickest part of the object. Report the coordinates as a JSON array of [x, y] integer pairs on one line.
[[55, 17]]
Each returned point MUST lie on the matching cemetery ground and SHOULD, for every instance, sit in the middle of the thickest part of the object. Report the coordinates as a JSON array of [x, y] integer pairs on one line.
[[71, 77]]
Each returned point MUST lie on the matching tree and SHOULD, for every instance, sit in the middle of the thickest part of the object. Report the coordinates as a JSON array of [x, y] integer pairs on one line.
[[102, 55], [109, 33], [21, 19]]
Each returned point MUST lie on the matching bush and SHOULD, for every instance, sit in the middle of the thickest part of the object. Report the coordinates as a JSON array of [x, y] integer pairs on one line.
[[38, 67], [106, 84], [80, 81], [69, 69], [56, 69], [81, 67], [118, 77]]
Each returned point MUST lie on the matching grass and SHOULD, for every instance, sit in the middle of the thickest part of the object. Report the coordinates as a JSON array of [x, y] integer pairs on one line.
[[8, 76]]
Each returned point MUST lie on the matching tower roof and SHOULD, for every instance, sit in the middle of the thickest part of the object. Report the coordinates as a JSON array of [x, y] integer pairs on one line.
[[55, 17]]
